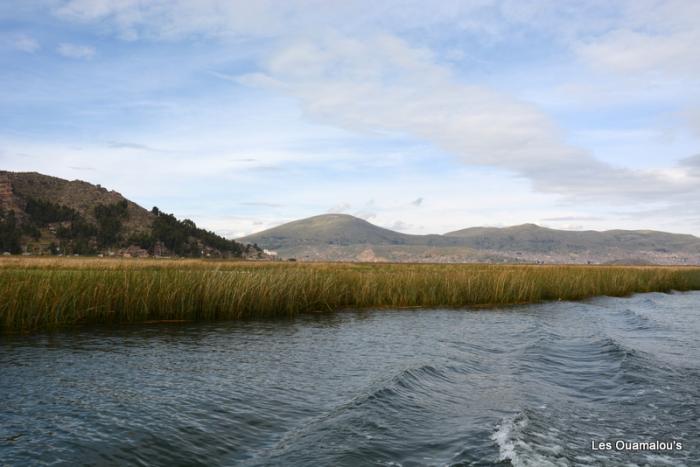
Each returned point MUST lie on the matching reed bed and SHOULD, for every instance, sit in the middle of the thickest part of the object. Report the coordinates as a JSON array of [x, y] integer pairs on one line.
[[37, 293]]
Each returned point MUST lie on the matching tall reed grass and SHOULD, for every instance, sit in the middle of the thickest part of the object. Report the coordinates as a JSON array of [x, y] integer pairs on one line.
[[49, 293]]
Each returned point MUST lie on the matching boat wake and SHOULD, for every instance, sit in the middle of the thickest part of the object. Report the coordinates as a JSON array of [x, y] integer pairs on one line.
[[524, 443]]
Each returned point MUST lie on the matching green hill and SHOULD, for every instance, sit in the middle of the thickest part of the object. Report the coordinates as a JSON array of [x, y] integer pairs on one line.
[[338, 229], [40, 214]]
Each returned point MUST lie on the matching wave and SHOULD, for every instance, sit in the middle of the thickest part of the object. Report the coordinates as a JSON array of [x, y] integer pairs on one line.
[[373, 412], [407, 380], [596, 369], [638, 321], [615, 349], [565, 349]]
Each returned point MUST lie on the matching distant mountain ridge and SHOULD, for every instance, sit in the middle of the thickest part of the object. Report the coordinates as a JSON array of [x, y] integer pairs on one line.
[[40, 214], [532, 237], [344, 237]]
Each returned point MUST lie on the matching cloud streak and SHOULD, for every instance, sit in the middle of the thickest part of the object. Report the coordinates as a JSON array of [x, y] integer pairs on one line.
[[381, 84], [26, 43], [76, 51]]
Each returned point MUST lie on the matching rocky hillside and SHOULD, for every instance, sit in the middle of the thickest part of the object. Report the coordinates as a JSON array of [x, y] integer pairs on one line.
[[40, 214], [347, 238], [75, 194]]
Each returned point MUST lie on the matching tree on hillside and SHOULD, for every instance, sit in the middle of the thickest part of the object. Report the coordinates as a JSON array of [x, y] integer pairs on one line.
[[184, 238], [10, 234], [43, 212], [109, 222]]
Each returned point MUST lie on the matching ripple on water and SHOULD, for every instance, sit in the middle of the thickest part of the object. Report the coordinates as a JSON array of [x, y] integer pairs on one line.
[[524, 386]]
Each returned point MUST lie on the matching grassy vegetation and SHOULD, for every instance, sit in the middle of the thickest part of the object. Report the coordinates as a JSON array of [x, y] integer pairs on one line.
[[40, 293]]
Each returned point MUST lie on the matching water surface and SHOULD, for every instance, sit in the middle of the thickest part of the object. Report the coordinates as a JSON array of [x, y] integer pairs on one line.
[[531, 385]]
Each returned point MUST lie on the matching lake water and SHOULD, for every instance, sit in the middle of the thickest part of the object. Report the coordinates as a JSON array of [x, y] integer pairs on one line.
[[530, 385]]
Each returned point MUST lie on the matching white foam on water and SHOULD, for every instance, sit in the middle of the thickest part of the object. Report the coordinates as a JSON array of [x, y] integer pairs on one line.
[[505, 438], [513, 448]]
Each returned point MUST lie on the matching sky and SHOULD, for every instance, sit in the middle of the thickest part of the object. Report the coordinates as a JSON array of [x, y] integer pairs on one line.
[[423, 117]]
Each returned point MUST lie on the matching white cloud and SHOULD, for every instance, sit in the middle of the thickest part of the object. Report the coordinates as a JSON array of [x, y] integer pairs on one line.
[[487, 20], [626, 51], [366, 215], [400, 226], [26, 44], [234, 226], [339, 208], [381, 84], [75, 51], [639, 34], [649, 36], [172, 19]]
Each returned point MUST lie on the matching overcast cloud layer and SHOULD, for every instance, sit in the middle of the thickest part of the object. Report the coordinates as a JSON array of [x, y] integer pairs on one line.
[[423, 118]]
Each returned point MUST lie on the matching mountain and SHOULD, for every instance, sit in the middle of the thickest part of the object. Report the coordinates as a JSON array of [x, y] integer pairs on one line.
[[344, 237], [533, 238], [338, 229], [76, 194], [40, 214]]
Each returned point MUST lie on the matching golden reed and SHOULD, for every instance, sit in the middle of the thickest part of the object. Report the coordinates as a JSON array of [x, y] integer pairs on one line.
[[46, 293]]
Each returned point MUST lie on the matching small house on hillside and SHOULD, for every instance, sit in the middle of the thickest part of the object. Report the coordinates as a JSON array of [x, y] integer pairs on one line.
[[134, 251]]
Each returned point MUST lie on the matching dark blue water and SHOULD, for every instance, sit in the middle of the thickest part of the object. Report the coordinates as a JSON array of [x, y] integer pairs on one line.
[[531, 385]]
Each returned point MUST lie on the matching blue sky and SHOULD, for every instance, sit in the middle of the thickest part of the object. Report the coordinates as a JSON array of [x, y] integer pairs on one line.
[[422, 117]]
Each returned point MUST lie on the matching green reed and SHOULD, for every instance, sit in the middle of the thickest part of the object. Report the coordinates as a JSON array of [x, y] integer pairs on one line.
[[43, 294]]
